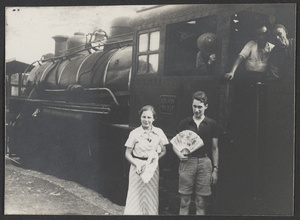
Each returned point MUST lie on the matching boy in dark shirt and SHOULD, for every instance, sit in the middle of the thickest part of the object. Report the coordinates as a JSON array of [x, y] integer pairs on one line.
[[196, 168]]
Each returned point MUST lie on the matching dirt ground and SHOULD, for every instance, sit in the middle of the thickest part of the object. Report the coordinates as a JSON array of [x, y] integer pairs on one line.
[[34, 193]]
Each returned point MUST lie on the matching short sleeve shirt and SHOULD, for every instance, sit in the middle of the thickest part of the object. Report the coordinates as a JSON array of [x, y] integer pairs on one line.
[[144, 141], [207, 130], [256, 59]]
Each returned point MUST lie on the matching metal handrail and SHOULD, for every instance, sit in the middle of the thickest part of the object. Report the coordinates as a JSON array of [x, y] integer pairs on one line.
[[66, 56], [89, 89], [108, 90]]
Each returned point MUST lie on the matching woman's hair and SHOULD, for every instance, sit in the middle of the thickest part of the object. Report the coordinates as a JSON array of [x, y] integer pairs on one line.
[[148, 108], [200, 96]]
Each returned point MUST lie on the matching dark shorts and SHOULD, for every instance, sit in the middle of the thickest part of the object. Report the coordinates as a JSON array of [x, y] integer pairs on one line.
[[195, 172]]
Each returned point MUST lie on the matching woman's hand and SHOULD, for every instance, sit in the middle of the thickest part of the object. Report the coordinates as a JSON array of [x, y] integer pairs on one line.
[[163, 151], [135, 162], [140, 168]]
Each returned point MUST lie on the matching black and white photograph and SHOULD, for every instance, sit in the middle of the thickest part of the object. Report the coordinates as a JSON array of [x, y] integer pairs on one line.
[[150, 110]]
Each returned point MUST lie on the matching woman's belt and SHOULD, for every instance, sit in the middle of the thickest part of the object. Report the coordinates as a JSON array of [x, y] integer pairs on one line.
[[140, 158]]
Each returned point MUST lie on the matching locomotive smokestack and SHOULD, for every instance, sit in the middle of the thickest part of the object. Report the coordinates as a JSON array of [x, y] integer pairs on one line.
[[60, 44]]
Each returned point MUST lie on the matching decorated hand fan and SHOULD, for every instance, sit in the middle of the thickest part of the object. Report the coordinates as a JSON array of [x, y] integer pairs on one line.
[[187, 142]]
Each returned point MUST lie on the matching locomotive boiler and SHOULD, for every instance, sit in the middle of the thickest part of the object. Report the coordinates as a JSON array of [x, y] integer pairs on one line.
[[82, 102]]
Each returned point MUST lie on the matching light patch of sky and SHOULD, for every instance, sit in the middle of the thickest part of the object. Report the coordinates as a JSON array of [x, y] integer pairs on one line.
[[29, 30]]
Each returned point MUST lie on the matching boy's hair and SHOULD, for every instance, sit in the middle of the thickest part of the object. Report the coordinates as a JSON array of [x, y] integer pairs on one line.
[[148, 108], [276, 26], [200, 96]]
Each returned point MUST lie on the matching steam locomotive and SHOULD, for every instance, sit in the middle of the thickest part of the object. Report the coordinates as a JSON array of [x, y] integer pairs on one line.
[[76, 108]]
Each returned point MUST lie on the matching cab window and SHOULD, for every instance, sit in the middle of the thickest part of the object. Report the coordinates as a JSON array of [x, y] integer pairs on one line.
[[17, 83], [181, 47], [148, 52]]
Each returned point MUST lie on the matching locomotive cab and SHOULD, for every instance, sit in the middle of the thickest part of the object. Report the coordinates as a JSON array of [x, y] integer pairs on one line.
[[165, 76]]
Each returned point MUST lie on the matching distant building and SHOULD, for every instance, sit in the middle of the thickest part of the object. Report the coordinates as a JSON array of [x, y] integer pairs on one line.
[[15, 77], [15, 80]]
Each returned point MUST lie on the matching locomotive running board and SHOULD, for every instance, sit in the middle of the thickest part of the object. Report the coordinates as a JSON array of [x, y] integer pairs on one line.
[[101, 110], [72, 107]]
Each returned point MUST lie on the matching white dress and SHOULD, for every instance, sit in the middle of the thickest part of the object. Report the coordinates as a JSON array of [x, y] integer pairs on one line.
[[142, 196]]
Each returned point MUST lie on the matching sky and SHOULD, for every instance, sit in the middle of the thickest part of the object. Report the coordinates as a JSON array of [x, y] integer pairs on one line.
[[29, 30]]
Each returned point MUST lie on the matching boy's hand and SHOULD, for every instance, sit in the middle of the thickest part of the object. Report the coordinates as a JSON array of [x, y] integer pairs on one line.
[[212, 58], [229, 75], [182, 156]]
